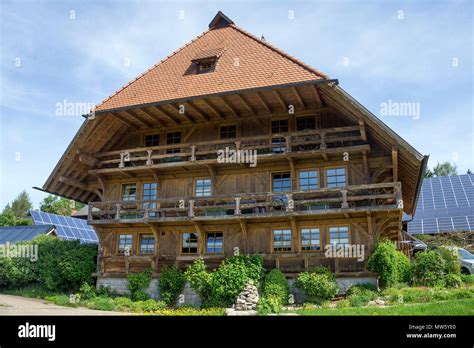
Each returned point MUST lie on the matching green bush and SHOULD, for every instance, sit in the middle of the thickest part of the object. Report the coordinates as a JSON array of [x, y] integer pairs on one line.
[[137, 283], [123, 303], [392, 265], [62, 300], [148, 306], [200, 279], [86, 291], [436, 268], [275, 284], [101, 303], [424, 295], [319, 287], [232, 275], [467, 278], [269, 304], [171, 283], [360, 294]]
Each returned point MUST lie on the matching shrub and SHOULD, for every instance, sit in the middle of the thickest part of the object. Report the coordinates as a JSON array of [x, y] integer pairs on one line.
[[171, 284], [62, 300], [436, 268], [86, 291], [344, 303], [106, 291], [275, 284], [467, 278], [199, 279], [360, 294], [101, 303], [148, 306], [232, 275], [122, 303], [62, 265], [319, 287], [137, 283], [269, 304], [392, 265]]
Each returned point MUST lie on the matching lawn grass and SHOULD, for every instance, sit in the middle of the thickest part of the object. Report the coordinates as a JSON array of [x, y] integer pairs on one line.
[[443, 308]]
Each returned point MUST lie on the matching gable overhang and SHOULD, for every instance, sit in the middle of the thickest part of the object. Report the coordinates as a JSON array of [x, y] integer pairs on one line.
[[103, 130]]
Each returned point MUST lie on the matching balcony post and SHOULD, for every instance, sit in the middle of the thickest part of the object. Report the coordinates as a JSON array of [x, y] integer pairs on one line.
[[117, 213], [237, 206], [146, 206], [291, 204], [288, 143], [193, 153], [323, 141], [344, 199], [191, 208], [149, 161]]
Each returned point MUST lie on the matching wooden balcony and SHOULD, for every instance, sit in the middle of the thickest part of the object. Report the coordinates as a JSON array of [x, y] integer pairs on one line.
[[309, 143], [383, 196]]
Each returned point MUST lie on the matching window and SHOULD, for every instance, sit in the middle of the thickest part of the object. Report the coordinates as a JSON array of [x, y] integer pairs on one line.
[[202, 187], [305, 123], [308, 180], [173, 138], [129, 192], [228, 132], [281, 182], [310, 239], [147, 244], [282, 240], [336, 177], [152, 140], [124, 243], [205, 66], [339, 235], [149, 196], [279, 126], [189, 243], [214, 243]]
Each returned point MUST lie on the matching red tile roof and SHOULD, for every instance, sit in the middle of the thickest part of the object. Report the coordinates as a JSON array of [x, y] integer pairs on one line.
[[244, 62]]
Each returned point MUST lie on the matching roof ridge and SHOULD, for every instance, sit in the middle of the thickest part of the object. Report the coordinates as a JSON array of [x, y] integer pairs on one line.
[[281, 52], [152, 67]]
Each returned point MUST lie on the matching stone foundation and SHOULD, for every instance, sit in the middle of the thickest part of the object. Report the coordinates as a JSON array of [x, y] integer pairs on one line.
[[190, 298]]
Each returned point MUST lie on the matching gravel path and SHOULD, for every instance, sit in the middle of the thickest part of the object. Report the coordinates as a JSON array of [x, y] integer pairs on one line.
[[17, 305]]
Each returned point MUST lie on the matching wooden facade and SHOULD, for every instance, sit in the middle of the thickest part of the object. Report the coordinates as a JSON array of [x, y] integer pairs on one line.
[[325, 171]]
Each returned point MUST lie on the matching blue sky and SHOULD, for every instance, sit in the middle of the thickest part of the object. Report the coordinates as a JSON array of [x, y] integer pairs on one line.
[[82, 51]]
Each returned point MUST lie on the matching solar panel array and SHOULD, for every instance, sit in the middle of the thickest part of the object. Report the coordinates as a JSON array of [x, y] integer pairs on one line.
[[68, 228], [446, 204]]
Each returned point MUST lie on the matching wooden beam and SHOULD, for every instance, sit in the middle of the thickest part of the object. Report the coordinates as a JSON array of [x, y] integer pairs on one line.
[[279, 99], [213, 109], [189, 133], [296, 233], [229, 106], [298, 97], [75, 183], [124, 121], [366, 166], [201, 241], [186, 116], [363, 134], [88, 159], [198, 110], [243, 228], [263, 102], [166, 115], [395, 163], [133, 116], [246, 103], [137, 116], [155, 117], [317, 96]]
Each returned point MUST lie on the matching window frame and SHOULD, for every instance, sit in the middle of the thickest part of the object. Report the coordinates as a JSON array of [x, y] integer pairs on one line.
[[176, 150], [318, 178], [272, 182], [117, 246], [228, 125], [152, 135], [336, 167], [272, 244], [195, 187], [122, 187], [139, 244], [205, 243], [212, 67], [181, 240], [320, 229], [339, 226], [282, 148], [306, 116]]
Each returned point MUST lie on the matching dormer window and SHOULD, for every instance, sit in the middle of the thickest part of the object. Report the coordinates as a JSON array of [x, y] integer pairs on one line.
[[205, 66]]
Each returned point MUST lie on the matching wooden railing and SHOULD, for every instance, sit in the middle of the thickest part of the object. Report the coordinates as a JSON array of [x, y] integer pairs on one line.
[[301, 141], [249, 204]]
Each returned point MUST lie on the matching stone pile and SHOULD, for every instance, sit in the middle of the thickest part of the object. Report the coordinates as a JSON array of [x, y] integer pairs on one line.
[[247, 299]]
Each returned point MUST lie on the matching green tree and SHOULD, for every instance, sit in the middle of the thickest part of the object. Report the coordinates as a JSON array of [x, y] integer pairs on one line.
[[441, 169], [20, 206], [59, 205]]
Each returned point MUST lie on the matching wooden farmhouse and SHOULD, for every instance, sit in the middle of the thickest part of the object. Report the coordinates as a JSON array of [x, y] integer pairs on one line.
[[231, 146]]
